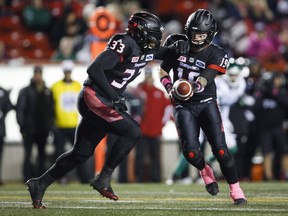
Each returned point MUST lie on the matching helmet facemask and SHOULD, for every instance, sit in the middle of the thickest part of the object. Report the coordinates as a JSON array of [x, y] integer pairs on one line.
[[152, 41], [198, 39]]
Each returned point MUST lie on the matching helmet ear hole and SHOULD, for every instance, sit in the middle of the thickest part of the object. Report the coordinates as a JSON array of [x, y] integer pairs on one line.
[[146, 29]]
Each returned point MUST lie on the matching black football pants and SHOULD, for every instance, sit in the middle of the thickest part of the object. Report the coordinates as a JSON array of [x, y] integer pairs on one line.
[[98, 119], [188, 119]]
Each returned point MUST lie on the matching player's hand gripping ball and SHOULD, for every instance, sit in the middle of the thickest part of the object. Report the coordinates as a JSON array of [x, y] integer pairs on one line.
[[182, 89]]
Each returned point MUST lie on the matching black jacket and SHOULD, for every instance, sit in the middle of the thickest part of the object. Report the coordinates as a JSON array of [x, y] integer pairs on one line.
[[5, 107], [34, 110]]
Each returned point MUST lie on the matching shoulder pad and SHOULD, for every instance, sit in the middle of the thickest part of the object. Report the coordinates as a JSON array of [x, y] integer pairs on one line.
[[173, 38], [116, 37]]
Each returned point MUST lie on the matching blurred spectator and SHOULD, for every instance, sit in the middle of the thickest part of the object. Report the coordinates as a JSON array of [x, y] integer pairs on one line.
[[59, 8], [259, 11], [36, 17], [256, 69], [283, 39], [69, 24], [152, 122], [65, 93], [65, 50], [84, 54], [270, 110], [5, 107], [232, 30], [280, 8], [263, 43], [172, 27], [131, 7], [5, 8], [35, 118]]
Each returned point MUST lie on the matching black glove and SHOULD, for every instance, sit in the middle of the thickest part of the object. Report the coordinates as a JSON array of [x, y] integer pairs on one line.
[[180, 46], [119, 104]]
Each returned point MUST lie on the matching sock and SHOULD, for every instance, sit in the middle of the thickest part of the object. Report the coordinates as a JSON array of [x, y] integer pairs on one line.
[[106, 173], [103, 180], [234, 186], [236, 192]]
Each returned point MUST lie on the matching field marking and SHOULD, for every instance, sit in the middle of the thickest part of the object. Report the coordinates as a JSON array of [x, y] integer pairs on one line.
[[242, 208], [99, 198]]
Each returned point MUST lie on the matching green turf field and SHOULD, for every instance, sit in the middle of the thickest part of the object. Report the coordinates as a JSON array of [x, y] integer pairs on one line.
[[146, 199]]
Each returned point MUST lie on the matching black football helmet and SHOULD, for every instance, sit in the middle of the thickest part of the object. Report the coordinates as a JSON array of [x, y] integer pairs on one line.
[[200, 28], [146, 29]]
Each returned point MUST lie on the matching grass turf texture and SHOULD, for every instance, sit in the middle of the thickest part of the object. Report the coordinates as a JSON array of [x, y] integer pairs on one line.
[[147, 199]]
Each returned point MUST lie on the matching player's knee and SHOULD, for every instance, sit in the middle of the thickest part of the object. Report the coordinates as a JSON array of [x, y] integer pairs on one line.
[[134, 133], [194, 157], [224, 157]]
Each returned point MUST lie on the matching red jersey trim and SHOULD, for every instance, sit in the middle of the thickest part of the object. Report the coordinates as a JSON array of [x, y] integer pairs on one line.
[[99, 108], [218, 68]]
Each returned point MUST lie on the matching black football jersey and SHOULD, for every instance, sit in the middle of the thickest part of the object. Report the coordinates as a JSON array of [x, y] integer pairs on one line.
[[191, 65], [132, 61]]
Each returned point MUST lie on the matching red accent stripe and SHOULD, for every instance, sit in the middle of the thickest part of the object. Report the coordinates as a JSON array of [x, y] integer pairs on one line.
[[99, 108], [218, 68]]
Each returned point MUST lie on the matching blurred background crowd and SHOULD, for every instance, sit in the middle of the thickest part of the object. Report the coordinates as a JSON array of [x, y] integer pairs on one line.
[[254, 98]]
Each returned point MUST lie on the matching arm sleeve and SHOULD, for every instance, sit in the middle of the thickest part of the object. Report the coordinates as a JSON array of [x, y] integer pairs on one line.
[[163, 52], [209, 74], [104, 61]]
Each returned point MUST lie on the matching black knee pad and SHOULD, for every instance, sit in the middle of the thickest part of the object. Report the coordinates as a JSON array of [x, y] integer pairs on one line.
[[195, 158], [224, 157]]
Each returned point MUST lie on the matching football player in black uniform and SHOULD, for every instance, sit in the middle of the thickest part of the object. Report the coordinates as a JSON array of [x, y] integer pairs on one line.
[[200, 66], [102, 105]]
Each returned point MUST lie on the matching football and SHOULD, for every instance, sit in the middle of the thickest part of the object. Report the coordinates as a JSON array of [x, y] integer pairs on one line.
[[182, 89]]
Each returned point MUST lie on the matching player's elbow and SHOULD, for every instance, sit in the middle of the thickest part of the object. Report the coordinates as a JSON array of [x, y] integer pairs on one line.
[[95, 66]]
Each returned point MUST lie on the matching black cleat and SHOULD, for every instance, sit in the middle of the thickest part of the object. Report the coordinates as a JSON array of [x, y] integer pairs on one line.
[[212, 188], [108, 193], [240, 201], [36, 193], [105, 191]]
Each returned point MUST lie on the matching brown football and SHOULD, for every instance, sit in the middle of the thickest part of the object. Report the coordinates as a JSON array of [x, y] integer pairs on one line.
[[183, 89]]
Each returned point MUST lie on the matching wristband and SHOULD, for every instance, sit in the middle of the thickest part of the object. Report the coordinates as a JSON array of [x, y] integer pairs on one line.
[[166, 82]]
